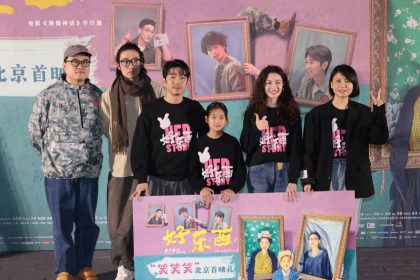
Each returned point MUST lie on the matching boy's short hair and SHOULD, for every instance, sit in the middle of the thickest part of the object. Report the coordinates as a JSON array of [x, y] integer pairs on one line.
[[176, 63], [320, 53], [182, 210], [220, 214], [147, 21], [212, 38]]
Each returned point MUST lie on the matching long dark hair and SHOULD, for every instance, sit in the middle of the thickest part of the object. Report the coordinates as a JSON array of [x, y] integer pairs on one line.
[[286, 104]]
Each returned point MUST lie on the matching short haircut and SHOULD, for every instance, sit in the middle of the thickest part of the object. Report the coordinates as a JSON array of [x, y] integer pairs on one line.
[[212, 38], [176, 63], [348, 72], [220, 214], [157, 210], [320, 53], [182, 210], [147, 21], [216, 105]]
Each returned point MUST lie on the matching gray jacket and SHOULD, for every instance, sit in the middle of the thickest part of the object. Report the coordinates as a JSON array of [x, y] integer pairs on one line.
[[64, 130]]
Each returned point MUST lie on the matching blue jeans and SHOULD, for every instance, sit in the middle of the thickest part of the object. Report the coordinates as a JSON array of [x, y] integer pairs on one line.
[[267, 177], [73, 201], [338, 175]]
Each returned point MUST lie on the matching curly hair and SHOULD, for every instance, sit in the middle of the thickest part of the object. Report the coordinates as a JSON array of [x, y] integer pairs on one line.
[[286, 104]]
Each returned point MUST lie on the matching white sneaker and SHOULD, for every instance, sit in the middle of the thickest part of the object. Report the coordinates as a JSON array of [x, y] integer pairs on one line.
[[124, 273]]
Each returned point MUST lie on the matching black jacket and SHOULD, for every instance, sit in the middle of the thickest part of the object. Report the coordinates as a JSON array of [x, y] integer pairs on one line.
[[363, 128]]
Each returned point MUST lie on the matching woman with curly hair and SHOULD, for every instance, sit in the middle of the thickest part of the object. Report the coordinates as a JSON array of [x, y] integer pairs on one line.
[[272, 135]]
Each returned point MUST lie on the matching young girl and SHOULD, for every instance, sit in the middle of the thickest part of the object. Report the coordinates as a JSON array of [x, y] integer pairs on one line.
[[337, 137], [131, 90], [217, 165], [272, 135]]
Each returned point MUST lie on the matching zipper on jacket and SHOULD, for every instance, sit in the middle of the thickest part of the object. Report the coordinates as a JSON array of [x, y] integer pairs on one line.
[[80, 106]]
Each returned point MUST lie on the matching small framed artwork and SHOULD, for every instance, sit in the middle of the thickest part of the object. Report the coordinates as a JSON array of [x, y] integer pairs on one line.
[[217, 50], [139, 24], [314, 51], [321, 246], [219, 217], [156, 216], [185, 216], [261, 238]]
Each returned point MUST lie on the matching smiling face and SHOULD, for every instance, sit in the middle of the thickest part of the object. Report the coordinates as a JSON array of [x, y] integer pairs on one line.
[[314, 68], [216, 121], [265, 244], [273, 87], [176, 83], [76, 75], [341, 86], [131, 70]]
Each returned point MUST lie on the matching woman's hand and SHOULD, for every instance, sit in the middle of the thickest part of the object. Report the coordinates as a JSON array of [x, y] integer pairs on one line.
[[377, 101], [291, 194], [307, 188], [261, 123]]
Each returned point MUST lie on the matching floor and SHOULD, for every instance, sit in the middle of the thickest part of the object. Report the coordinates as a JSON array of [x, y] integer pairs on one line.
[[372, 263]]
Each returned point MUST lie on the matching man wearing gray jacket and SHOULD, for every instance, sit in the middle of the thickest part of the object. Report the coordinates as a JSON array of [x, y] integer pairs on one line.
[[64, 130]]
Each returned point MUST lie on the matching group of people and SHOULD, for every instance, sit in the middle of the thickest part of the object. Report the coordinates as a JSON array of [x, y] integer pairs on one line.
[[162, 143]]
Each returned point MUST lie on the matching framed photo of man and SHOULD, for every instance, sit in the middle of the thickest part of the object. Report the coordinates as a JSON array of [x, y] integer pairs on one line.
[[185, 216], [261, 239], [217, 50], [156, 216], [219, 217], [139, 24], [321, 246], [314, 51]]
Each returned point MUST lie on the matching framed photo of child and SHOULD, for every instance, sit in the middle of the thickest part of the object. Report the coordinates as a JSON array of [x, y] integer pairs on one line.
[[261, 239], [313, 52], [217, 50]]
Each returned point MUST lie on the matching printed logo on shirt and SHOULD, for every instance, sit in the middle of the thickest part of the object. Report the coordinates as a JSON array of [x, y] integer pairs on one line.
[[216, 171], [274, 139], [338, 139], [177, 137]]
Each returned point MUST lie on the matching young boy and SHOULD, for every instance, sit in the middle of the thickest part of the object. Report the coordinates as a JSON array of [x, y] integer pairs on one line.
[[165, 134]]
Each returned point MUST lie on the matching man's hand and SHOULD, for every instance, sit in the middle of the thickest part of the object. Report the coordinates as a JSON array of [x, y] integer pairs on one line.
[[143, 187]]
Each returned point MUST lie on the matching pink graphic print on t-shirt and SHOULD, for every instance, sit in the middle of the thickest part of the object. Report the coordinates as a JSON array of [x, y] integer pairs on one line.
[[176, 137], [216, 171], [274, 139], [338, 139]]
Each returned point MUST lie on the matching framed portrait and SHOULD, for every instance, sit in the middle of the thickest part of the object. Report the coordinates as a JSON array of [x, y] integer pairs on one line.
[[219, 217], [156, 216], [126, 20], [321, 246], [185, 215], [217, 50], [321, 49], [260, 237]]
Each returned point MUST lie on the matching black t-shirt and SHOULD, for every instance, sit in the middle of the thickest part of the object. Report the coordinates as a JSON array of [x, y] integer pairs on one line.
[[338, 133], [164, 137], [217, 164]]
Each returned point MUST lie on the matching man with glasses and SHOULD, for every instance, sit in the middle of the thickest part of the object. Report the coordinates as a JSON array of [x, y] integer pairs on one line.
[[63, 129]]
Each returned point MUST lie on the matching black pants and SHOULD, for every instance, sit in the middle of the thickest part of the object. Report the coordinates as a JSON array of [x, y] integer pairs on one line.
[[120, 220]]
